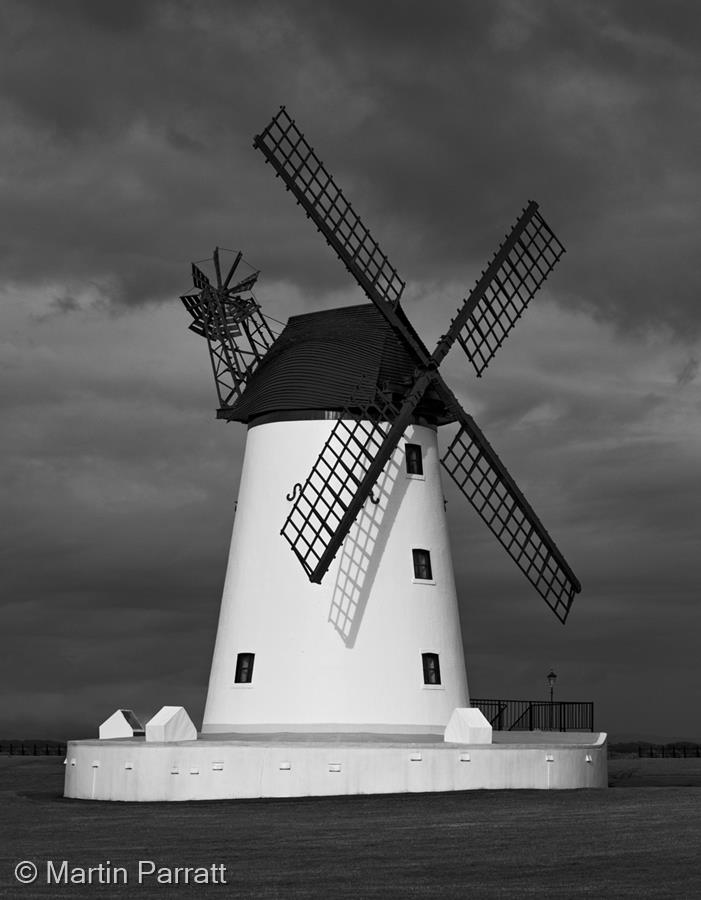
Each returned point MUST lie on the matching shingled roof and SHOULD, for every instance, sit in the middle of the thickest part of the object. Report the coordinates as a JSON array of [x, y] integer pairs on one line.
[[324, 360]]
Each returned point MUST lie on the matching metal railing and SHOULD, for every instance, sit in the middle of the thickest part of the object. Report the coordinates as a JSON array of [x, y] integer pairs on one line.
[[32, 748], [684, 750], [537, 715]]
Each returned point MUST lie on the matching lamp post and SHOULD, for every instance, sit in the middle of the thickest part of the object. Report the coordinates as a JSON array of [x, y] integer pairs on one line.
[[552, 678]]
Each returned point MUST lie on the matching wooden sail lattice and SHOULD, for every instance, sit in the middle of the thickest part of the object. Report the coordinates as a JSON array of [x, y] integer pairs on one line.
[[286, 148], [515, 273], [483, 480], [335, 479]]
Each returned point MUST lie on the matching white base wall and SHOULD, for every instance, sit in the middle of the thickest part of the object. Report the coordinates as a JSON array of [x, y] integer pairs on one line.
[[213, 770], [346, 654]]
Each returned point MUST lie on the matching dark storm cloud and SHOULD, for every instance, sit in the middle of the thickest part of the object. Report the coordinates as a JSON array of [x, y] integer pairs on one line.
[[118, 490], [591, 109], [129, 140]]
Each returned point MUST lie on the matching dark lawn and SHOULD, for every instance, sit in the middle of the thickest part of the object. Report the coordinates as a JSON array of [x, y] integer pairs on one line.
[[630, 841]]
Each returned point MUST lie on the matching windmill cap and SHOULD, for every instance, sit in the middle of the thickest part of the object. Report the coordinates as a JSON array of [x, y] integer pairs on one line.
[[328, 360]]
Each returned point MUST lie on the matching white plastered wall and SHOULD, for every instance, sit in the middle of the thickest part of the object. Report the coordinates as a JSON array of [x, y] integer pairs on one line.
[[346, 654]]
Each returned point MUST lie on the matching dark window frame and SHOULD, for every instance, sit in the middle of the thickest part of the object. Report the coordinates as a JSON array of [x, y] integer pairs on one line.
[[414, 459], [244, 668], [431, 668], [422, 564]]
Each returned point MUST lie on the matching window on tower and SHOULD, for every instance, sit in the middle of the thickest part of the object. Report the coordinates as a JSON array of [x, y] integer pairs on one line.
[[414, 459], [244, 668], [422, 565], [432, 669]]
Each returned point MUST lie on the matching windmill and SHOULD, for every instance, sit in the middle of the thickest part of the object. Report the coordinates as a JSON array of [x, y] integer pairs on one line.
[[340, 579]]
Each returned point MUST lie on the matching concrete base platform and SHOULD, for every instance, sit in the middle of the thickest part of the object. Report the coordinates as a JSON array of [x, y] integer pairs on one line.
[[235, 766]]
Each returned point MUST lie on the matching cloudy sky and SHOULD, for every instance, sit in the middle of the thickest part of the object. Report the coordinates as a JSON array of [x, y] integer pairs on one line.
[[126, 147]]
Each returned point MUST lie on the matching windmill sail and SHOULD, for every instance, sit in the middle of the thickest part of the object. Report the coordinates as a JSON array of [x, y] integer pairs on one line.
[[329, 490], [294, 160], [199, 279], [515, 273], [481, 476], [343, 477]]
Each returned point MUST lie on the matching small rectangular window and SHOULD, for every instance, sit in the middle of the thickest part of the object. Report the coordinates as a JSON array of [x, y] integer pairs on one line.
[[244, 668], [422, 565], [432, 669], [414, 459]]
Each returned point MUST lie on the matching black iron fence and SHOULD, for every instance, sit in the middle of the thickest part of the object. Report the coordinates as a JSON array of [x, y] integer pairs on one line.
[[537, 715], [670, 751], [643, 749], [32, 748]]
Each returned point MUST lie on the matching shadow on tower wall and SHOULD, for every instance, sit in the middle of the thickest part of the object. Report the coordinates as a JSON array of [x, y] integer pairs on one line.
[[363, 548]]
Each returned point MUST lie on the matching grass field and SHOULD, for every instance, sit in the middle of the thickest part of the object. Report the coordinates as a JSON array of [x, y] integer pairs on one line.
[[640, 839]]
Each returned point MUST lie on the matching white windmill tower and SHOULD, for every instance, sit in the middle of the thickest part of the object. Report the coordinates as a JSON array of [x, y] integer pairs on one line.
[[357, 628]]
